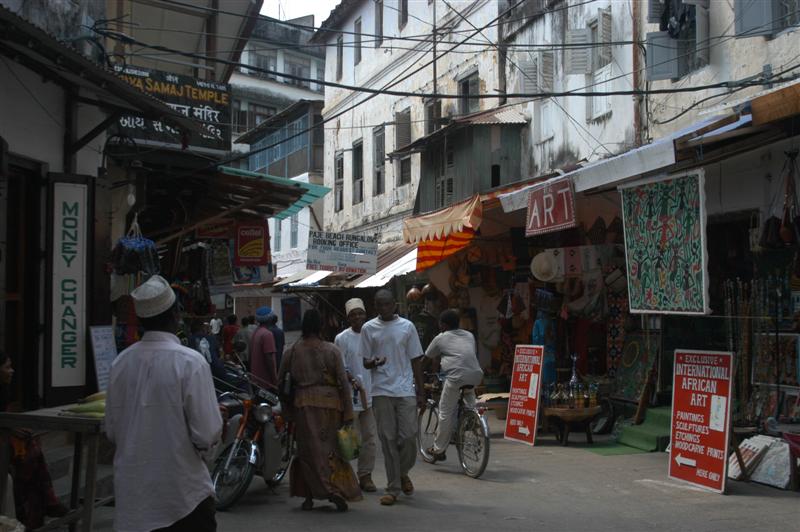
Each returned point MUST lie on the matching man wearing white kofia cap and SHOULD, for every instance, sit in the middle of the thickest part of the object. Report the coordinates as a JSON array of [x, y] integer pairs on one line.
[[348, 342], [162, 413]]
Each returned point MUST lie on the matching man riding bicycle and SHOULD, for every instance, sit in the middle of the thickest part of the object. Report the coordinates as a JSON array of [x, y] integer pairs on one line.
[[456, 351]]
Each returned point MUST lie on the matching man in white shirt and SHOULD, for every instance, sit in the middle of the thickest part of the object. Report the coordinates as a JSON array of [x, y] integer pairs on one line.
[[348, 343], [162, 413], [216, 325], [456, 351], [392, 351]]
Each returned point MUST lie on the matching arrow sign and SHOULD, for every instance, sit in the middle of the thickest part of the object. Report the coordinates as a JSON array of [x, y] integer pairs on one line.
[[685, 461], [525, 431]]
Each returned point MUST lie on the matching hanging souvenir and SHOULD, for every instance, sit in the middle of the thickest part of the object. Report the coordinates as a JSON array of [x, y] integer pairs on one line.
[[134, 253]]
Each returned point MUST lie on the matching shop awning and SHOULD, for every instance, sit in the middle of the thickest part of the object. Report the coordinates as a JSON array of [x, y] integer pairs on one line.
[[633, 163], [310, 191], [303, 278], [41, 52], [401, 266]]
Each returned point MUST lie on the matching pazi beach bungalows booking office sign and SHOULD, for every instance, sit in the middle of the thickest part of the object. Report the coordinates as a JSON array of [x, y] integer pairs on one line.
[[208, 102], [701, 409], [342, 252], [68, 318]]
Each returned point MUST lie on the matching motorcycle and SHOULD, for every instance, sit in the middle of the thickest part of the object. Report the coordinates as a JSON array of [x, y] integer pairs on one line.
[[258, 440]]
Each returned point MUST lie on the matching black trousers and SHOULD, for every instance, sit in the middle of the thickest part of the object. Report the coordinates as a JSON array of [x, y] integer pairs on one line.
[[200, 520]]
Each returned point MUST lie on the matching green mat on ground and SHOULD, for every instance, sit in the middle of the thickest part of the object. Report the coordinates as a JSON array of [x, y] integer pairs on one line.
[[653, 434], [612, 449]]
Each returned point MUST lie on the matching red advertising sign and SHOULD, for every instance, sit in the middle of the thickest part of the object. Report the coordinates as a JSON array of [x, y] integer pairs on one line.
[[251, 245], [701, 405], [551, 207], [523, 402]]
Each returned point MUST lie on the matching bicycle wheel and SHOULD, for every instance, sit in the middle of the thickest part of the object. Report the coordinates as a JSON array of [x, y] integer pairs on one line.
[[473, 443], [426, 431]]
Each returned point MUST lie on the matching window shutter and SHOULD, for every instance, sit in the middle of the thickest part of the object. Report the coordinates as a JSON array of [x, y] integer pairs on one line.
[[756, 17], [655, 10], [546, 67], [662, 56], [578, 58], [530, 75], [604, 30], [702, 34], [402, 129]]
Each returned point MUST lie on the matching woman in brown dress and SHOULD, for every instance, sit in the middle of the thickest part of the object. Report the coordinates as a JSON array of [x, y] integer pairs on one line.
[[320, 405]]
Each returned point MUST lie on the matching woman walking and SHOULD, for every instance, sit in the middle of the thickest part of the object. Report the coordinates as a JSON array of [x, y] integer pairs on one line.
[[319, 405]]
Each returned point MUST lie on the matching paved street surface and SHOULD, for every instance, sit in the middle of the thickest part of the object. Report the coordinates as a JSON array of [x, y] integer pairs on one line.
[[547, 487]]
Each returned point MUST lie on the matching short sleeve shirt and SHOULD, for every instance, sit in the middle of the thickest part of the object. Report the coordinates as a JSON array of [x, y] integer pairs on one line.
[[398, 341], [458, 353], [348, 343]]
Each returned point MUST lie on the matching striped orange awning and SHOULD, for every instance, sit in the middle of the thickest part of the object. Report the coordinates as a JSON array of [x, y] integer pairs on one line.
[[431, 252]]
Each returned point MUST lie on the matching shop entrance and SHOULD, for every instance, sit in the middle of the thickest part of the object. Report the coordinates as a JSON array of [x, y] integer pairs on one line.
[[21, 284]]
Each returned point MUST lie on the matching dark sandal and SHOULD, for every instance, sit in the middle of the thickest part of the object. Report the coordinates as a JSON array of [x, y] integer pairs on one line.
[[307, 505], [338, 500], [436, 457]]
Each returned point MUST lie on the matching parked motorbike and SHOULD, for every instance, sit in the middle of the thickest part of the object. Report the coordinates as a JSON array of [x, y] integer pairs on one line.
[[258, 440]]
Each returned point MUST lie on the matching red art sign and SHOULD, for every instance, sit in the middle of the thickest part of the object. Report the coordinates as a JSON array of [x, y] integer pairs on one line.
[[701, 404], [251, 245], [551, 207], [523, 402]]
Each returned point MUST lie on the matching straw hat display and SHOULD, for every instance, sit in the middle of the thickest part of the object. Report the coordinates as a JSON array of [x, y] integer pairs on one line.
[[544, 267]]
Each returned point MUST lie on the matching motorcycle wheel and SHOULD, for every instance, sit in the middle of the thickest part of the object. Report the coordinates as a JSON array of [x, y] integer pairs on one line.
[[287, 454], [231, 483]]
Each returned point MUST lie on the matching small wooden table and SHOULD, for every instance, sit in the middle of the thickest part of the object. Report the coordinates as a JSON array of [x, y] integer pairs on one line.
[[566, 418], [85, 430]]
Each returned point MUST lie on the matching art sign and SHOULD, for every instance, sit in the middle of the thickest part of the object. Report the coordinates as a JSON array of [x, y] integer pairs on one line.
[[251, 244], [523, 401], [207, 102], [665, 245], [342, 252], [701, 405], [551, 207], [68, 318]]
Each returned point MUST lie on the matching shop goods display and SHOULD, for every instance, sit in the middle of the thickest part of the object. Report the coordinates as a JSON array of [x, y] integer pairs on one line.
[[91, 406], [665, 245], [134, 253]]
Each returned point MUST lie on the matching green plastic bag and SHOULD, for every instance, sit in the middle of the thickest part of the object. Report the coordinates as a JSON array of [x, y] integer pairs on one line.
[[349, 443]]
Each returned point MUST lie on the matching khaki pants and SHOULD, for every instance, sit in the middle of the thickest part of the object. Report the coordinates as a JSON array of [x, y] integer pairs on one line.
[[396, 419], [448, 411], [365, 425]]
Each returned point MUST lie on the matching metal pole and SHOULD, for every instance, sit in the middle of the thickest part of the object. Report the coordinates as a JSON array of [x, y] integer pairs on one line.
[[435, 91]]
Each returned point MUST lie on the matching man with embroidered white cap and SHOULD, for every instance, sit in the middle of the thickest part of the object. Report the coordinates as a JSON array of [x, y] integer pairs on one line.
[[162, 414], [361, 380]]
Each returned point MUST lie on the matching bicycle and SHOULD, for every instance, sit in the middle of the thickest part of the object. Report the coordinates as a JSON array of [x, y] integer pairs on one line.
[[471, 437]]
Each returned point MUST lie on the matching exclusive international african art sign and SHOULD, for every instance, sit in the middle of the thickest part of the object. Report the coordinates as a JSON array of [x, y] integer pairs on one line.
[[665, 245]]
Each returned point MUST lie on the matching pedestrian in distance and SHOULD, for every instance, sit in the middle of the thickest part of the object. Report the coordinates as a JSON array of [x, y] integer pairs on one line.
[[348, 342], [162, 414], [262, 351], [241, 342], [319, 404], [455, 352], [228, 333], [216, 326], [280, 338], [391, 349]]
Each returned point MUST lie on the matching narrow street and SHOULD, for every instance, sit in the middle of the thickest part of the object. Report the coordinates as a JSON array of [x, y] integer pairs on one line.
[[547, 487]]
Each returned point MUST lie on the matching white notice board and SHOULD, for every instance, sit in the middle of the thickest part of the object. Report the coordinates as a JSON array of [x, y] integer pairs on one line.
[[104, 347]]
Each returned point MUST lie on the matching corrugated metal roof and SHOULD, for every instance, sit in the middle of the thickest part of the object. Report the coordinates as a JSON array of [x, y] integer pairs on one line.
[[501, 115], [311, 192]]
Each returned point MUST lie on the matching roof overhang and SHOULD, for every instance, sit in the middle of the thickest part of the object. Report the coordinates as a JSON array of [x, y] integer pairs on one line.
[[277, 120], [39, 51]]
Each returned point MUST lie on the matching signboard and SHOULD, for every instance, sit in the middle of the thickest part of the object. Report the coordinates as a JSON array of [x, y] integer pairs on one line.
[[701, 404], [342, 252], [551, 207], [523, 402], [222, 229], [251, 244], [68, 323], [104, 347], [208, 102]]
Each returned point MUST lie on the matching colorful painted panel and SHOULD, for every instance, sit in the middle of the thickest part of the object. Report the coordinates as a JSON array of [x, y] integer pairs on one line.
[[665, 245]]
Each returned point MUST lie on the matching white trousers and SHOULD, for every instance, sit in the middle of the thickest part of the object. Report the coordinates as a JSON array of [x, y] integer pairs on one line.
[[367, 431], [448, 411]]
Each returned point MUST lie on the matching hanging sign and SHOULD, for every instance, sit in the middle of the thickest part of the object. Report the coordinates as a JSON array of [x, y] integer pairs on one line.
[[68, 323], [217, 230], [104, 347], [251, 244], [342, 252], [701, 401], [523, 401], [551, 207]]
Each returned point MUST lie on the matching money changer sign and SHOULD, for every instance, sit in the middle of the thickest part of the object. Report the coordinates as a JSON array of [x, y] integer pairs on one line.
[[69, 285]]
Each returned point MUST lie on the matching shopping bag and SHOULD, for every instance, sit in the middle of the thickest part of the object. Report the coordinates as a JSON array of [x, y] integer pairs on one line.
[[349, 443]]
